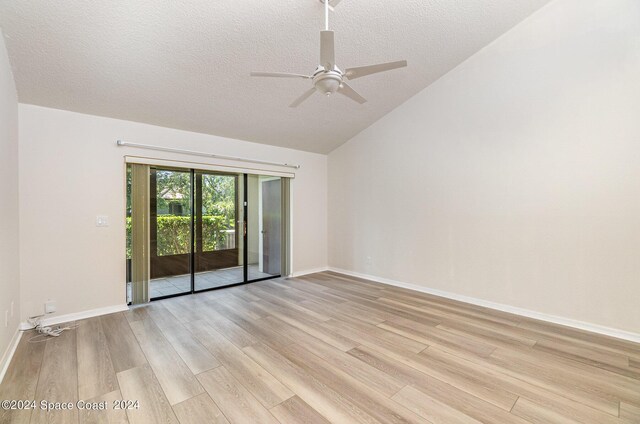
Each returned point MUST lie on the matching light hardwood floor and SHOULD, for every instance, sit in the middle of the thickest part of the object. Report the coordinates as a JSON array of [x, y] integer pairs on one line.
[[326, 348]]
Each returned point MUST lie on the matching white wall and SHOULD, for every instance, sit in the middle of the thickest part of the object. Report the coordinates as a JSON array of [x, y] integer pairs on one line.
[[515, 178], [9, 241], [71, 171]]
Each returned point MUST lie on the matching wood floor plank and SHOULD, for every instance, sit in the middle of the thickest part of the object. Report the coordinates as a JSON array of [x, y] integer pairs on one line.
[[451, 310], [264, 386], [557, 383], [419, 315], [457, 398], [536, 414], [313, 328], [329, 403], [554, 330], [634, 363], [124, 349], [174, 376], [244, 294], [192, 352], [182, 308], [96, 375], [576, 374], [495, 375], [226, 301], [296, 411], [630, 413], [21, 378], [415, 367], [594, 354], [314, 293], [377, 333], [617, 363], [310, 285], [367, 339], [368, 375], [431, 409], [336, 278], [140, 384], [336, 313], [434, 336], [232, 331], [58, 381], [235, 401], [110, 415], [354, 311], [255, 327], [306, 292], [199, 409], [484, 334], [137, 313], [376, 404], [353, 288], [286, 300], [426, 313], [583, 343]]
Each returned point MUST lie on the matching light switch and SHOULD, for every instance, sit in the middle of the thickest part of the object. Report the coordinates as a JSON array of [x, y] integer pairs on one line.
[[102, 221]]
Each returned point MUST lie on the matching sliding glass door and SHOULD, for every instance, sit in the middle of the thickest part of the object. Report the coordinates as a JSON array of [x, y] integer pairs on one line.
[[219, 246], [210, 229], [264, 226], [171, 232]]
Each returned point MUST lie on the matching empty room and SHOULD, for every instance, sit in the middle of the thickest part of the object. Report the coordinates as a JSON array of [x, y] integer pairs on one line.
[[320, 211]]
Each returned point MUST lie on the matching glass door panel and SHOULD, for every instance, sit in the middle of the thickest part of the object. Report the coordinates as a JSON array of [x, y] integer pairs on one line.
[[209, 229], [171, 232], [219, 219], [264, 227]]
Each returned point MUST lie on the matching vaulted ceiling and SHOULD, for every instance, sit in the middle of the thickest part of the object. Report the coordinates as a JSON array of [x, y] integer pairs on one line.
[[185, 63]]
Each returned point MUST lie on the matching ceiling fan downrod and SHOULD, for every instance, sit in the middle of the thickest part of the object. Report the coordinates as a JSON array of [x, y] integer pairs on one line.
[[326, 15]]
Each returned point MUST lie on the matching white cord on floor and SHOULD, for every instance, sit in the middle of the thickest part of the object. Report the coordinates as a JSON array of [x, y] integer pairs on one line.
[[46, 332]]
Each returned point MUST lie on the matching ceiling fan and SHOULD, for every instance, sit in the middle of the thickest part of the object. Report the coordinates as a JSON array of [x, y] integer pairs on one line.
[[328, 78]]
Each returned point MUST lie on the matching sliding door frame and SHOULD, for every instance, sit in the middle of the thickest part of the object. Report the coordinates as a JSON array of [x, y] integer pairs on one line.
[[192, 256], [240, 203]]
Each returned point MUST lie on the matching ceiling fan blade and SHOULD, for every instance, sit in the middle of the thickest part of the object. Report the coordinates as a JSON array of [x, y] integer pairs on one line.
[[332, 4], [346, 90], [304, 97], [278, 75], [327, 52], [362, 71]]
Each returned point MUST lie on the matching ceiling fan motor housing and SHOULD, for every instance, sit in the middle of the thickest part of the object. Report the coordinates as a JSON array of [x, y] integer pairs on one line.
[[327, 82]]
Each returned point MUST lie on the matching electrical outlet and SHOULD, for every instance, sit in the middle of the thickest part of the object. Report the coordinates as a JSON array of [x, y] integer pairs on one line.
[[102, 221], [50, 307], [369, 261]]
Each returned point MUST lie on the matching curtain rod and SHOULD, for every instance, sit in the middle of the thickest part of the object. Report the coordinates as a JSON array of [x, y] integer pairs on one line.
[[209, 155]]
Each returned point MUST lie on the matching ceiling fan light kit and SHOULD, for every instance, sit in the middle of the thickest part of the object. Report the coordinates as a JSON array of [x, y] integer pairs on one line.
[[328, 78]]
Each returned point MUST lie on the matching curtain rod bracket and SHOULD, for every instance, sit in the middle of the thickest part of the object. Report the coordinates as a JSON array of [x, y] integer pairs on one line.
[[123, 143]]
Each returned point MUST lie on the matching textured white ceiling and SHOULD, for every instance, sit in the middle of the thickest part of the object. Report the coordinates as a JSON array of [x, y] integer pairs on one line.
[[185, 63]]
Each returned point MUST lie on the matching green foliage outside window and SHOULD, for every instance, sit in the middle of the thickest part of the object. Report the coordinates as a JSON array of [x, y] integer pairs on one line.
[[174, 234], [173, 206]]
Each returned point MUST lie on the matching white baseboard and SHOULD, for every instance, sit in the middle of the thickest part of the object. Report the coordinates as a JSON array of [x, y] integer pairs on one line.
[[52, 320], [8, 354], [309, 271], [568, 322]]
